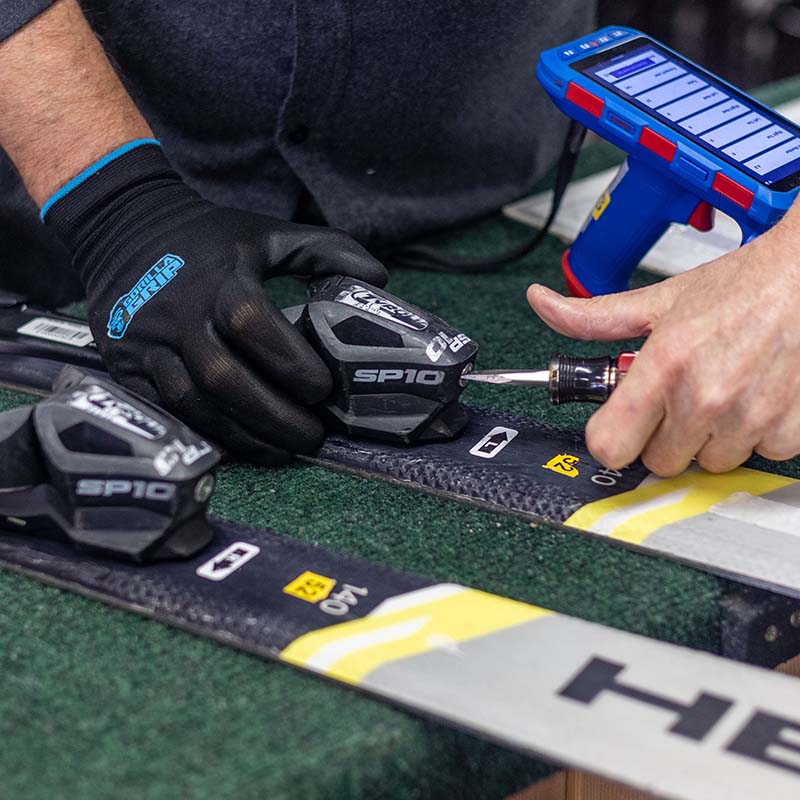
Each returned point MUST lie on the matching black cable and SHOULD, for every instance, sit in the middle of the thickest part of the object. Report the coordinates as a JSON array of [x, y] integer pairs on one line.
[[420, 256]]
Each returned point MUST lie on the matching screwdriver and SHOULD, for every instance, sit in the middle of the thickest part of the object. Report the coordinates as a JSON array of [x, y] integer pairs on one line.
[[570, 379]]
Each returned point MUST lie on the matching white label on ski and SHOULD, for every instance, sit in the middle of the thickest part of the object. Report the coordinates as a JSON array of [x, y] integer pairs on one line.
[[228, 561], [493, 442], [57, 330]]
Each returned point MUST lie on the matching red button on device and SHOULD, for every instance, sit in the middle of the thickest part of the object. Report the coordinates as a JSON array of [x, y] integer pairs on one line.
[[657, 143], [733, 191], [702, 217], [585, 100]]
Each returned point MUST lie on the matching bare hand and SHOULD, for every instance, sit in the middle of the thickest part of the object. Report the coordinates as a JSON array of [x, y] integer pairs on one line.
[[719, 374]]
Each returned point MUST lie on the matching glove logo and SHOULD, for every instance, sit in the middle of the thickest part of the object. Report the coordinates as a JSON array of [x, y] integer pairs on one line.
[[152, 282]]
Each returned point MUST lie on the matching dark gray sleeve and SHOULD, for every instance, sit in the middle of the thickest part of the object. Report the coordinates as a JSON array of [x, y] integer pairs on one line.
[[17, 12]]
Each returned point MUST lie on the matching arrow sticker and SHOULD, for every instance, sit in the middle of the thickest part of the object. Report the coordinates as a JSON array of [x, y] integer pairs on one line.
[[233, 557], [493, 442]]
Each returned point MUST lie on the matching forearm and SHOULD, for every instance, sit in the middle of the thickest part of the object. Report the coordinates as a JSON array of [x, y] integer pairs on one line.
[[62, 106], [788, 229]]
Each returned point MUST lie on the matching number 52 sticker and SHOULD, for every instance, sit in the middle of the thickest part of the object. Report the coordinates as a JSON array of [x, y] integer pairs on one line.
[[315, 588]]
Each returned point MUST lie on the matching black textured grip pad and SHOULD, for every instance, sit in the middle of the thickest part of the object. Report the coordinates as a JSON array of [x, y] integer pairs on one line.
[[233, 591], [500, 461]]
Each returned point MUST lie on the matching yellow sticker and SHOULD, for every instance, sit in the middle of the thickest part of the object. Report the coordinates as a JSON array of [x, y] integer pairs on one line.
[[563, 464], [632, 516], [310, 587], [601, 205], [435, 618]]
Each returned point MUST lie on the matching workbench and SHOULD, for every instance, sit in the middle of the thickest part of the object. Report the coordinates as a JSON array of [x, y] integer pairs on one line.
[[99, 703]]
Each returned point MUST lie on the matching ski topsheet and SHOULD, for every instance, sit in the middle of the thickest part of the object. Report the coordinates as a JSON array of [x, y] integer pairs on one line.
[[744, 524], [662, 718]]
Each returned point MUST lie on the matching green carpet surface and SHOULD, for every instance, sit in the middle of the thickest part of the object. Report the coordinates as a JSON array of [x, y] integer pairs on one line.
[[98, 703]]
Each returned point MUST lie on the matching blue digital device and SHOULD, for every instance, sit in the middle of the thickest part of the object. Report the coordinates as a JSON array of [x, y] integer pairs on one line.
[[694, 143]]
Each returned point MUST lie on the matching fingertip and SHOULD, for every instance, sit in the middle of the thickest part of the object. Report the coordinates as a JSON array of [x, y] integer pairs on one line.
[[356, 262], [374, 273], [565, 315], [618, 432], [313, 438], [604, 445], [317, 385], [537, 293], [339, 253], [541, 288]]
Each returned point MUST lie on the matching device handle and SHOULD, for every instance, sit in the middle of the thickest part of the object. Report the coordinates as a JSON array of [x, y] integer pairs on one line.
[[628, 219], [748, 233]]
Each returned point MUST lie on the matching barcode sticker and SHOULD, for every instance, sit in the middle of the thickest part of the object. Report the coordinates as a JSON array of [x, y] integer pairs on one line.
[[58, 330]]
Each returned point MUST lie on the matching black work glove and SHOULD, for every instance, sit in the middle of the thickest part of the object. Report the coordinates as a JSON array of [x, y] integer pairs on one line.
[[177, 307]]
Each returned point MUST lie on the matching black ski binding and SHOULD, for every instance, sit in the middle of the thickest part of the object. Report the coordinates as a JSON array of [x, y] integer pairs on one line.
[[101, 468], [396, 368]]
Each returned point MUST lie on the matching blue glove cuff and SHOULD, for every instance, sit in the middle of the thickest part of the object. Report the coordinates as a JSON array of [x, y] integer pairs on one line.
[[93, 169]]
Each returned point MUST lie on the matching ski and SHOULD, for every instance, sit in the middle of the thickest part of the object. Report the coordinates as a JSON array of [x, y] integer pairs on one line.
[[99, 473], [658, 717], [742, 525]]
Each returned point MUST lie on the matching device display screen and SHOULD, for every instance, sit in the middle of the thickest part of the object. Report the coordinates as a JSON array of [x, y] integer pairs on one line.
[[731, 125]]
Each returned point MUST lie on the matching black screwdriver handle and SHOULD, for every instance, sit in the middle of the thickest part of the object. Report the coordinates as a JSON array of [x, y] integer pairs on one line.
[[586, 380]]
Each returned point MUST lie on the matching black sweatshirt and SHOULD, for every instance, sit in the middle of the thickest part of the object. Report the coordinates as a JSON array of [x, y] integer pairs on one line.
[[396, 116]]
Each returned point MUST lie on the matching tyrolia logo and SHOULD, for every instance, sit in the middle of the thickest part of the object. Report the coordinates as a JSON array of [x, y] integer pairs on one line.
[[101, 403], [152, 282], [371, 302]]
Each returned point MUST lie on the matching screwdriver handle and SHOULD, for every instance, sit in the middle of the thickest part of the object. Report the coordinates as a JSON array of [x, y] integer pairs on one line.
[[586, 380]]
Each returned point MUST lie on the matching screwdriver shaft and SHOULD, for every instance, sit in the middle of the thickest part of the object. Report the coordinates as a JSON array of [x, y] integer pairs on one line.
[[569, 379]]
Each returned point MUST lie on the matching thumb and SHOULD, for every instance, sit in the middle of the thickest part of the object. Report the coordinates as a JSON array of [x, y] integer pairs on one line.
[[626, 315]]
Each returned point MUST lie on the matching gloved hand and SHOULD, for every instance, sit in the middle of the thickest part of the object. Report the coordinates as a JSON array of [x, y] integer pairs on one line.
[[177, 307]]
